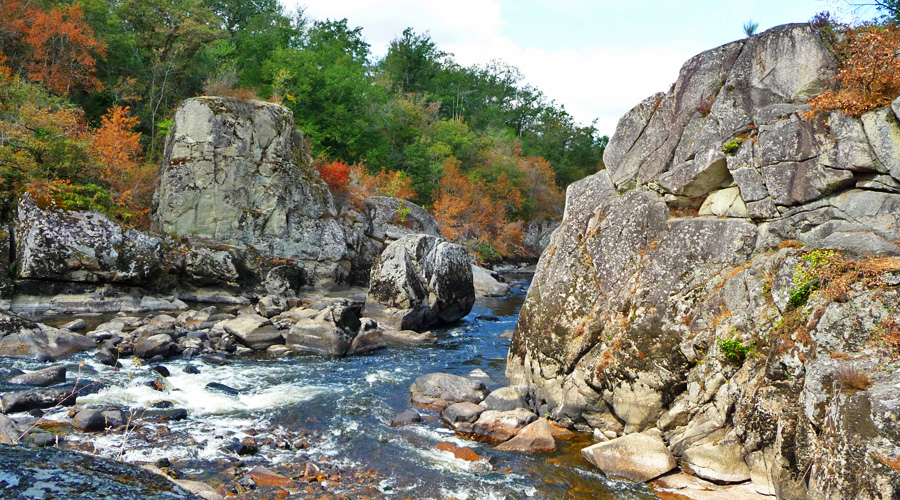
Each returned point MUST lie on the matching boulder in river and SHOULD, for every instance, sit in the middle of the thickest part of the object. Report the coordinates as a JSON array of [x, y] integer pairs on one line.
[[637, 457], [420, 281], [330, 332], [437, 390], [23, 338], [41, 378], [407, 417], [495, 425], [13, 402], [534, 437]]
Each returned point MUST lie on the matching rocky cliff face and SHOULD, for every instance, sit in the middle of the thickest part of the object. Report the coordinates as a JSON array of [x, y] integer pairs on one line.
[[675, 255], [238, 172]]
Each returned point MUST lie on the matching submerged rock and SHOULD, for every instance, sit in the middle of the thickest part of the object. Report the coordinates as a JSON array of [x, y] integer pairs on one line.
[[407, 417], [14, 402]]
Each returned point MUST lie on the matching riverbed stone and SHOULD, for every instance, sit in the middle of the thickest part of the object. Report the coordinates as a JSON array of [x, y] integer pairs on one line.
[[441, 389], [407, 417], [41, 378], [153, 345], [534, 437], [330, 332], [637, 457], [495, 425], [503, 399], [24, 338], [461, 412], [89, 420], [13, 402], [486, 285]]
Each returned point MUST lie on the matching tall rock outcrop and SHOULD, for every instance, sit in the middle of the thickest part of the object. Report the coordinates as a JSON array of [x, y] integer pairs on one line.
[[238, 171], [672, 295]]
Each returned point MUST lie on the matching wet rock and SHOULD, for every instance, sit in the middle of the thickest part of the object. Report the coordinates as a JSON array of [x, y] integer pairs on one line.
[[115, 418], [41, 378], [24, 339], [106, 357], [191, 369], [214, 360], [36, 399], [487, 317], [171, 415], [329, 333], [407, 417], [719, 463], [267, 478], [9, 432], [75, 325], [40, 439], [163, 404], [420, 281], [244, 447], [460, 452], [160, 369], [154, 345], [636, 457], [499, 425], [440, 389], [222, 389], [367, 341], [461, 412], [89, 421], [503, 399], [534, 437]]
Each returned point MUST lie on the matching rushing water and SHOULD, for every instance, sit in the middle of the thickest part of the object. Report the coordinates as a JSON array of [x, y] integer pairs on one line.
[[344, 407]]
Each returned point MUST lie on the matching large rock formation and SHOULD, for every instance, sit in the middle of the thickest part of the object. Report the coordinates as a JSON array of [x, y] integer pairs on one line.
[[419, 282], [238, 171], [644, 315]]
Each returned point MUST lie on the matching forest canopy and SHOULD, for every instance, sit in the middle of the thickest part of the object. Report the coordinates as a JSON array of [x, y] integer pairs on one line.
[[89, 90]]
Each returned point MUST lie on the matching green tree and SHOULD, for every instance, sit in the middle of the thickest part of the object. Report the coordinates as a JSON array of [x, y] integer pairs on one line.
[[412, 62]]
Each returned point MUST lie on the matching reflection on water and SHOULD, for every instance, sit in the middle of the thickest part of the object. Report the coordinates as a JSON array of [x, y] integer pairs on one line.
[[346, 405]]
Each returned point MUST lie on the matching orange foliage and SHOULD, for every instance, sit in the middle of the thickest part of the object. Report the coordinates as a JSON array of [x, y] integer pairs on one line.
[[468, 210], [116, 150], [540, 181], [61, 49], [336, 174], [870, 71]]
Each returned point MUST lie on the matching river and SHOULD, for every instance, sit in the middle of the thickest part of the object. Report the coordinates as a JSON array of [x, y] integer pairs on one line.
[[341, 408]]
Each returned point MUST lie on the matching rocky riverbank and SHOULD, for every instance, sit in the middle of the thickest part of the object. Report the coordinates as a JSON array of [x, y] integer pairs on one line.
[[723, 297]]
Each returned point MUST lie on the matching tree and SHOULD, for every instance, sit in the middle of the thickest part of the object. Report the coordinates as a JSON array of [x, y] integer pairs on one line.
[[52, 46], [412, 62]]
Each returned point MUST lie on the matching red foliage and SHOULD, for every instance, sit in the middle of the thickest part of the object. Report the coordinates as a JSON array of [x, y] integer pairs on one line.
[[336, 174]]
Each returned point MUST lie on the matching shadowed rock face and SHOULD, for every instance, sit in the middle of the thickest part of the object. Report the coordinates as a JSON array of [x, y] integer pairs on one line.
[[238, 171], [623, 325]]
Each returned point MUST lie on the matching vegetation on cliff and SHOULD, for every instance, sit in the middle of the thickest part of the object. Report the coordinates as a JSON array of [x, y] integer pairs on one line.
[[89, 90]]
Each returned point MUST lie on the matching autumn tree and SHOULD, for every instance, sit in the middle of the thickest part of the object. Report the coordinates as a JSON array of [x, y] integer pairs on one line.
[[870, 71], [53, 46]]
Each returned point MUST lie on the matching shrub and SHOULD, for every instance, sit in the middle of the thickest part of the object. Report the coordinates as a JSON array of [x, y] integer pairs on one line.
[[731, 147], [851, 378], [808, 275], [734, 350], [336, 174], [869, 78]]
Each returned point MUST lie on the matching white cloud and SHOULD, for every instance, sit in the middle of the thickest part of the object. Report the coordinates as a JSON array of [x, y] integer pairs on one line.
[[599, 81]]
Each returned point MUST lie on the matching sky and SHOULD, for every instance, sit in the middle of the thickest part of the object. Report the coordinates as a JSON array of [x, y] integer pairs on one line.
[[597, 58]]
